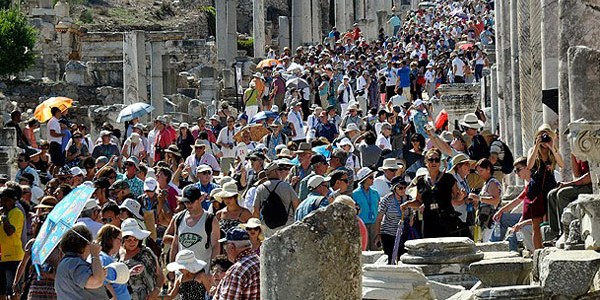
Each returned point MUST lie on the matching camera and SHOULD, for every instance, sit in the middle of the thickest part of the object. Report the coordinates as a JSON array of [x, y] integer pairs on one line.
[[546, 138]]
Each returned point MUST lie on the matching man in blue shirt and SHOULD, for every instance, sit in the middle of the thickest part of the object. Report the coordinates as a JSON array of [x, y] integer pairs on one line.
[[319, 187], [326, 128], [403, 82], [205, 184], [368, 201], [396, 23]]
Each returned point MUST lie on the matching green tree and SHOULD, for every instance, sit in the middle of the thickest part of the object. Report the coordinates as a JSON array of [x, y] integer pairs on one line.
[[17, 39]]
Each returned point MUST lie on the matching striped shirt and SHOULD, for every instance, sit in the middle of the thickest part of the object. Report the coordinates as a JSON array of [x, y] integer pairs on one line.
[[389, 206]]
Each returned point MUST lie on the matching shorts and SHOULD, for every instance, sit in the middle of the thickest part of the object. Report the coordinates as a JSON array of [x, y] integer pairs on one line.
[[56, 154], [8, 270]]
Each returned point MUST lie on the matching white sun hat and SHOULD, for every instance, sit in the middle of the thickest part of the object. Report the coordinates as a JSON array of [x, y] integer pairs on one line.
[[186, 260], [130, 227]]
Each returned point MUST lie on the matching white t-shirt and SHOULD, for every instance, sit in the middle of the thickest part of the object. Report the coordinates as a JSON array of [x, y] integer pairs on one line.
[[296, 118], [226, 137], [383, 141], [54, 125], [390, 75], [361, 83], [459, 66]]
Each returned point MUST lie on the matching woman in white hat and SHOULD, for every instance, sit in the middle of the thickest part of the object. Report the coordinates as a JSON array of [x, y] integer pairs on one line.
[[368, 200], [133, 146], [353, 161], [193, 283], [232, 214], [255, 231], [345, 94], [148, 283]]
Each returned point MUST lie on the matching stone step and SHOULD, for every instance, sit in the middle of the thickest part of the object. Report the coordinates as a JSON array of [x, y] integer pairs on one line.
[[503, 271]]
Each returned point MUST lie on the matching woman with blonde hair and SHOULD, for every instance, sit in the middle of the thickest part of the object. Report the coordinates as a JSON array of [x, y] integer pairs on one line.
[[232, 214], [255, 231], [542, 160]]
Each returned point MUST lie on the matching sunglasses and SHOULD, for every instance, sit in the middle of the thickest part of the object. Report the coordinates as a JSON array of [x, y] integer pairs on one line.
[[434, 160], [106, 220], [205, 173], [517, 170], [401, 188], [344, 180], [188, 202], [130, 239], [252, 229], [129, 165], [284, 169]]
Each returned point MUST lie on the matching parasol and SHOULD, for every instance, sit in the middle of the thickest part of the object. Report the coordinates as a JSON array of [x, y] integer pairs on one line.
[[134, 110], [297, 83], [42, 111], [267, 63], [257, 132]]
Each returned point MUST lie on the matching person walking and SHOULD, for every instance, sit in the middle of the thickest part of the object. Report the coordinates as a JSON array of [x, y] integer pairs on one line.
[[242, 280]]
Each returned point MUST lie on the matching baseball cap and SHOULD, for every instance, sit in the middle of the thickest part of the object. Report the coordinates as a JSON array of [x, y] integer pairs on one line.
[[190, 193], [318, 158], [119, 185], [316, 181], [235, 234], [150, 184]]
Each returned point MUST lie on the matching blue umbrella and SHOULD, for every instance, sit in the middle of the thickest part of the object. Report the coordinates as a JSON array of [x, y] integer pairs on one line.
[[134, 110], [263, 115], [59, 221]]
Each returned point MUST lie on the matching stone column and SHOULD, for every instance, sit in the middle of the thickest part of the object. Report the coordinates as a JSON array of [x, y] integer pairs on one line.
[[535, 50], [514, 67], [156, 78], [578, 26], [494, 97], [231, 31], [258, 27], [315, 22], [549, 37], [134, 67], [584, 82], [504, 59], [525, 78], [221, 30], [284, 33], [360, 10], [300, 32]]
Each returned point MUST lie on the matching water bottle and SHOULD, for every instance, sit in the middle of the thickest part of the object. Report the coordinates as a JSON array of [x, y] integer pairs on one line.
[[497, 232]]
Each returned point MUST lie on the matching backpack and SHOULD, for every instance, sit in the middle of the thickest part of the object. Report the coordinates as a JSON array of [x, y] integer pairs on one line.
[[273, 212], [507, 163], [207, 225]]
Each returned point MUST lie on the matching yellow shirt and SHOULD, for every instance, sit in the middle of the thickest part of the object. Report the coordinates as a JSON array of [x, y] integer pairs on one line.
[[11, 246]]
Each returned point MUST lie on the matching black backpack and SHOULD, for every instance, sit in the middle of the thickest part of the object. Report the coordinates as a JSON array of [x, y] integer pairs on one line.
[[273, 212], [207, 225], [509, 160]]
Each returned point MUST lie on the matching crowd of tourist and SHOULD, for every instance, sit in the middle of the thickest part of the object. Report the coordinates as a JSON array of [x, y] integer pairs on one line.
[[185, 207]]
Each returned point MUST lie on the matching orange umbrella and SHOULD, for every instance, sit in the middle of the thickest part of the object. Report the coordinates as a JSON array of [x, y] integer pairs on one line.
[[257, 132], [268, 63], [42, 111]]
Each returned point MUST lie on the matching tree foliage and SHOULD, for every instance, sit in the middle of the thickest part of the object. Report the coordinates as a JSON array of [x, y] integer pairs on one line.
[[17, 39]]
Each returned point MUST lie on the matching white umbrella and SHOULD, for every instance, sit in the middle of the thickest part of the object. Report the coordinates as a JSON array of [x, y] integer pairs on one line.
[[134, 110]]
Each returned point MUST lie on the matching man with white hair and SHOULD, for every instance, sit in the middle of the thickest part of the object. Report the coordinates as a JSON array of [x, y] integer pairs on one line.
[[242, 280], [319, 187]]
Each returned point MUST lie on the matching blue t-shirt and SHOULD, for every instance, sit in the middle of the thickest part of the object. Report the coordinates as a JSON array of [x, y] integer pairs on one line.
[[71, 276], [404, 74], [368, 202], [120, 289], [312, 202]]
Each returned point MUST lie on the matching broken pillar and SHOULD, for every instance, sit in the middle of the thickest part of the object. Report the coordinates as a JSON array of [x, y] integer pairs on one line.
[[258, 27], [284, 33], [135, 83], [589, 206], [457, 99], [584, 82], [549, 37], [384, 282], [156, 78], [503, 271], [328, 241], [568, 274], [578, 26]]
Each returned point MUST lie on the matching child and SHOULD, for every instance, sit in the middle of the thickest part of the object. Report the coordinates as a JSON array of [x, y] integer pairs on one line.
[[193, 282]]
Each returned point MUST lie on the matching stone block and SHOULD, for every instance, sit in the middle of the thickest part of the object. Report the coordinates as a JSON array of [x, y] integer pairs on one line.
[[458, 99], [42, 12], [499, 255], [590, 220], [493, 246], [441, 251], [538, 258], [463, 295], [439, 269], [569, 274], [329, 242], [502, 272], [465, 280], [196, 108], [394, 282], [444, 291], [520, 292], [370, 257]]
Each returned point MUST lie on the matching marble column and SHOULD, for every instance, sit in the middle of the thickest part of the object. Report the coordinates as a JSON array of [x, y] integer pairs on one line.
[[315, 22], [360, 10], [584, 82], [134, 67], [504, 59], [535, 50], [298, 16], [340, 15], [258, 27], [494, 97], [578, 26], [549, 37], [284, 33], [515, 85], [231, 31], [525, 78], [156, 78], [221, 30]]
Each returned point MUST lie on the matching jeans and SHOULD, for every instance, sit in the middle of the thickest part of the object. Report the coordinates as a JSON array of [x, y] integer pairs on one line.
[[8, 270], [508, 220], [478, 72]]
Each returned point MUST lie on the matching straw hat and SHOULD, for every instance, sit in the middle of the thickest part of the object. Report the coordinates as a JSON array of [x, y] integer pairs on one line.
[[186, 260], [364, 173], [132, 206], [285, 153], [130, 227], [459, 159], [47, 202], [229, 190], [135, 138], [304, 148], [215, 194], [173, 149], [351, 127], [390, 164], [470, 120]]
